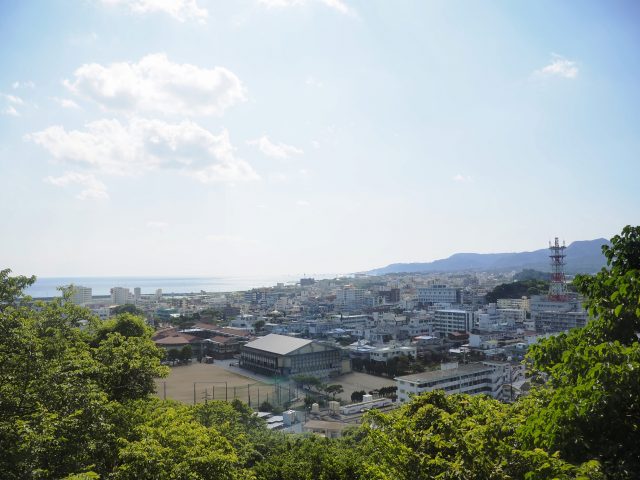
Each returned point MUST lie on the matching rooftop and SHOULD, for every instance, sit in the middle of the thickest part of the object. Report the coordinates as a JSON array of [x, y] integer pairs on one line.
[[442, 374], [279, 344]]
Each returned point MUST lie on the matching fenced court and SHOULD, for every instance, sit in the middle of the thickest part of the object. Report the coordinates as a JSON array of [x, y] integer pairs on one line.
[[200, 382]]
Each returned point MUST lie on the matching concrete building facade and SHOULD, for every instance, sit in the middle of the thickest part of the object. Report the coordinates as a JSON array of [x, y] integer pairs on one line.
[[474, 379], [283, 355], [449, 321]]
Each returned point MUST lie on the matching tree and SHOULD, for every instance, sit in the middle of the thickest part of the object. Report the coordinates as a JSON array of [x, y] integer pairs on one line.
[[170, 443], [128, 308], [259, 325], [454, 437], [357, 396], [12, 288], [518, 289], [333, 390], [173, 355], [186, 354], [60, 387]]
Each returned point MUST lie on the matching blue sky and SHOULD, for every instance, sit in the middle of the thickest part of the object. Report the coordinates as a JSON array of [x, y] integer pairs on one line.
[[182, 137]]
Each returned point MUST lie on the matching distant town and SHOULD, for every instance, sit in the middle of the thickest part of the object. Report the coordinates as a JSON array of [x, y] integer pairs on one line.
[[418, 332]]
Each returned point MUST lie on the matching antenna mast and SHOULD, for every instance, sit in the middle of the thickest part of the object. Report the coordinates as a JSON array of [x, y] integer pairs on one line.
[[558, 285]]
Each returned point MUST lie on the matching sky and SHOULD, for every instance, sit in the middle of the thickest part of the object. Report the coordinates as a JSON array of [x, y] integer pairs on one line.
[[264, 137]]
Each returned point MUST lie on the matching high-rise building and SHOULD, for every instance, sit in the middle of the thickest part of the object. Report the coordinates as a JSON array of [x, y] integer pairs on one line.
[[159, 294], [449, 321], [121, 296], [80, 295], [137, 293]]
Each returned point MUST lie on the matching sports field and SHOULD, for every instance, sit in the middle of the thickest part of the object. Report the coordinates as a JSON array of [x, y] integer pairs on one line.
[[209, 381]]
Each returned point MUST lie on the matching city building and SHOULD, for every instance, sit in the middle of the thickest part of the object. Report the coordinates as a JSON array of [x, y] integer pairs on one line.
[[121, 296], [448, 321], [282, 355], [438, 294], [550, 316], [81, 295], [486, 378]]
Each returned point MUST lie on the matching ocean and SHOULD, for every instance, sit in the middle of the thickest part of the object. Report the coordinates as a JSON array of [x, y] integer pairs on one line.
[[47, 286]]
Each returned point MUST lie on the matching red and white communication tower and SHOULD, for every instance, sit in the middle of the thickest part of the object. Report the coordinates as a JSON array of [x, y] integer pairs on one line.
[[558, 284]]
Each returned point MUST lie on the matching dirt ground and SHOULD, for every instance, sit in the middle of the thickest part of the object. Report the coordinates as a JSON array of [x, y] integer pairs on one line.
[[355, 381], [210, 381]]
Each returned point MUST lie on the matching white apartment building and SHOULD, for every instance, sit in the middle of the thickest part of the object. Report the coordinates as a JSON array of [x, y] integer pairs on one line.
[[438, 294], [449, 321], [476, 378], [383, 354], [81, 295], [512, 316], [515, 303], [551, 316], [121, 296], [351, 298]]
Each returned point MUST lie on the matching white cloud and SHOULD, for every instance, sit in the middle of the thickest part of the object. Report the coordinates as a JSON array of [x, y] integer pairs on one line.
[[66, 103], [181, 10], [11, 101], [337, 5], [28, 84], [156, 224], [462, 178], [92, 187], [559, 67], [142, 145], [302, 203], [275, 150], [10, 110], [155, 84]]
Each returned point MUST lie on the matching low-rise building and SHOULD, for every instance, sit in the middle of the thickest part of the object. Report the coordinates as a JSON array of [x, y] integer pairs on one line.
[[283, 355], [476, 378]]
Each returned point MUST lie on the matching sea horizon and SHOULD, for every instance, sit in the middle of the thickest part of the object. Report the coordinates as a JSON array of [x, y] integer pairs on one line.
[[47, 287]]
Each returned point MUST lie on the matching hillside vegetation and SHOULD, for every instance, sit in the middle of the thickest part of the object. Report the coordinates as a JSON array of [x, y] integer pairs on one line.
[[77, 404]]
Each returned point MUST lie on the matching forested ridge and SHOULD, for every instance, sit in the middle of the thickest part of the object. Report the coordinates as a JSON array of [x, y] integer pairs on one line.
[[78, 403]]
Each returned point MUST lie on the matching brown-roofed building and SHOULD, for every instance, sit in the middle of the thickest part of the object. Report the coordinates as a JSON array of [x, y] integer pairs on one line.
[[222, 347]]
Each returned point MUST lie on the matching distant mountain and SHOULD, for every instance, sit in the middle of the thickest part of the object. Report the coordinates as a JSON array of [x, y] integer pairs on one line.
[[582, 257]]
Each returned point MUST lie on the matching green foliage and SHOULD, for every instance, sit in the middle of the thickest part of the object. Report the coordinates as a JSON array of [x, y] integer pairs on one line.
[[518, 289], [128, 308], [265, 407], [12, 288], [530, 274], [357, 396], [186, 353], [172, 444], [59, 384], [312, 458], [334, 390], [307, 381], [452, 437]]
